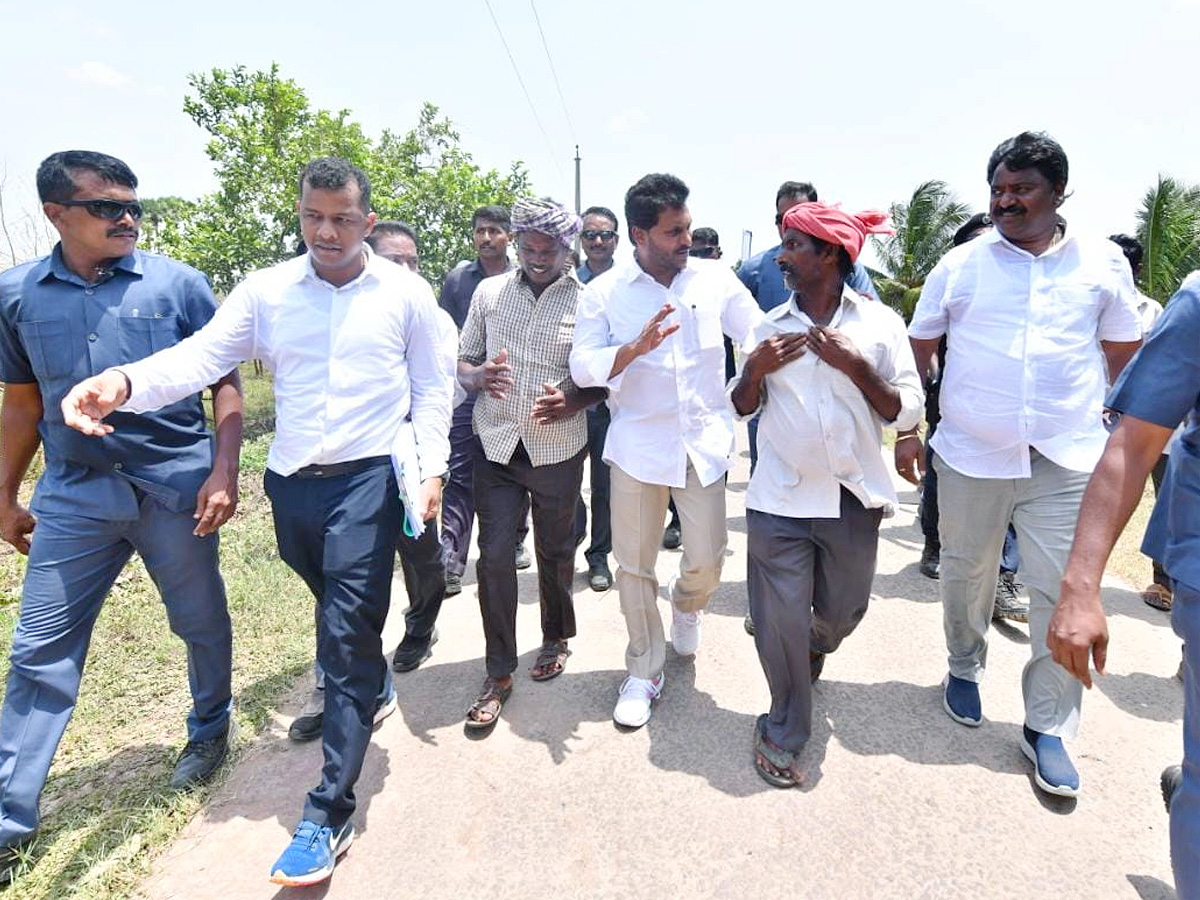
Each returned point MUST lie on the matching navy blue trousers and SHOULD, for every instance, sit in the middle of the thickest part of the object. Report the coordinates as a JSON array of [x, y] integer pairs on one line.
[[600, 546], [339, 535], [73, 563]]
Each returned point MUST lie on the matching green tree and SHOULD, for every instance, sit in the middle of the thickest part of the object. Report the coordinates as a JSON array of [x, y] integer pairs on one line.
[[165, 221], [925, 227], [1169, 229], [262, 131]]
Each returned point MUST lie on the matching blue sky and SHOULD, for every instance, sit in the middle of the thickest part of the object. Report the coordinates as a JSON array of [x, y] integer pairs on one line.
[[866, 100]]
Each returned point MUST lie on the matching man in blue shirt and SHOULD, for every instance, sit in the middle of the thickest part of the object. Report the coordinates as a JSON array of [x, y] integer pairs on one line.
[[1159, 389], [490, 230], [155, 485]]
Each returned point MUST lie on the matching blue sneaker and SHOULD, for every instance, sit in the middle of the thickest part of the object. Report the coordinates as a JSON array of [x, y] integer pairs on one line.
[[1052, 768], [312, 854], [961, 701]]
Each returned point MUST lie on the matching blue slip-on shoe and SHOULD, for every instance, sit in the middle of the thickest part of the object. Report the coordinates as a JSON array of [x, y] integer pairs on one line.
[[312, 854], [961, 701], [1052, 768]]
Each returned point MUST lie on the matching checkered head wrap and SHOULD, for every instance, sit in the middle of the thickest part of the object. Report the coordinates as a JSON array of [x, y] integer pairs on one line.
[[544, 217]]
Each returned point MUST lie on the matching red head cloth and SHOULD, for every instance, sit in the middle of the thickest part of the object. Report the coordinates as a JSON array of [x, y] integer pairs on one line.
[[836, 226]]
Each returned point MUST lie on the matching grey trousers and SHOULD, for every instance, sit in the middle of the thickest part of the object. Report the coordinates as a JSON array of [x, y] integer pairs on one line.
[[809, 582], [974, 515]]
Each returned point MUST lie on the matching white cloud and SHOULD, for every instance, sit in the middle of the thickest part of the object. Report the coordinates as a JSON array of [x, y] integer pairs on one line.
[[98, 73]]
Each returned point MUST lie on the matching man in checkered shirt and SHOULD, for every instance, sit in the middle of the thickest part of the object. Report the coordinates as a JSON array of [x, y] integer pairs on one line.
[[531, 437]]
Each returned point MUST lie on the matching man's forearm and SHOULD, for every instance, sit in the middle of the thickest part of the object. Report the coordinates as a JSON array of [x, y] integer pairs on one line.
[[883, 397], [228, 419], [584, 398], [19, 438], [747, 393]]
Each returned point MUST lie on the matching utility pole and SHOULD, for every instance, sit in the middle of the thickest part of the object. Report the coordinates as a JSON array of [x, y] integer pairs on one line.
[[578, 206]]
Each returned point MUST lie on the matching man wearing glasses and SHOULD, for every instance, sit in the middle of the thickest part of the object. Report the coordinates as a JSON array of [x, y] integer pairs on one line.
[[599, 240], [156, 485]]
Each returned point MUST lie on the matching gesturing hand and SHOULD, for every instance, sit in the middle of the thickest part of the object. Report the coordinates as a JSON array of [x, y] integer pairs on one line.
[[496, 375], [776, 352], [551, 406], [653, 333], [834, 347], [86, 405]]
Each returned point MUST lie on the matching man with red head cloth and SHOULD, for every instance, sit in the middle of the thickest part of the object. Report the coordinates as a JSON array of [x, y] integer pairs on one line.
[[827, 370]]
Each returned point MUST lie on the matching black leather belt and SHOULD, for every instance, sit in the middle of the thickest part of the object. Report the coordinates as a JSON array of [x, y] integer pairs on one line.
[[333, 470]]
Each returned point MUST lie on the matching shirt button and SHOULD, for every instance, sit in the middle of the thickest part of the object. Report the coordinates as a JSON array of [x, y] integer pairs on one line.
[[93, 336], [118, 466], [88, 291]]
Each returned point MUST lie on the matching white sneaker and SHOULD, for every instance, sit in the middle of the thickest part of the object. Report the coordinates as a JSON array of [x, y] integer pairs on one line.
[[633, 704], [387, 707], [685, 631]]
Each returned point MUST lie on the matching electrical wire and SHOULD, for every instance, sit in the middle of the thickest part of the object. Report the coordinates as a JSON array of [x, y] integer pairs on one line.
[[554, 72], [524, 90]]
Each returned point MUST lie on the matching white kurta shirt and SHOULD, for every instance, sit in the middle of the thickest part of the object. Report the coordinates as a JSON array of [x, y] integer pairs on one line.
[[668, 406], [351, 363], [1024, 366], [817, 432]]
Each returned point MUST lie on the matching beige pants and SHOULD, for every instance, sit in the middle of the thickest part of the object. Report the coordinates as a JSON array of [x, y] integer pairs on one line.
[[638, 511]]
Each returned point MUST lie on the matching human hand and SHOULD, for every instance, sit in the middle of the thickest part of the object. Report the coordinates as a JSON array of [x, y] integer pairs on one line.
[[16, 525], [552, 406], [653, 332], [835, 348], [909, 454], [1078, 628], [216, 501], [495, 376], [430, 501], [775, 352], [86, 404]]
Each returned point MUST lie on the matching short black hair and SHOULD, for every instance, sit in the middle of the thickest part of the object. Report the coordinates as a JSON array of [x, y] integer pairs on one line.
[[332, 173], [649, 196], [55, 178], [1031, 150], [708, 235], [1131, 247], [796, 189], [393, 226], [493, 213], [845, 263], [969, 229], [602, 211]]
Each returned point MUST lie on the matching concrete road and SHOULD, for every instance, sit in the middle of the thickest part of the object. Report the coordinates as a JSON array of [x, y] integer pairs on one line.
[[557, 802]]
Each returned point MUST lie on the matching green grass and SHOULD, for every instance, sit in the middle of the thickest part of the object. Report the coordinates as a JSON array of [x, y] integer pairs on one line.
[[107, 810]]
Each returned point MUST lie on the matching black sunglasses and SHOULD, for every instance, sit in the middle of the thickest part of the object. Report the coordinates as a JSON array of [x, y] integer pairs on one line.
[[591, 235], [107, 209], [703, 252]]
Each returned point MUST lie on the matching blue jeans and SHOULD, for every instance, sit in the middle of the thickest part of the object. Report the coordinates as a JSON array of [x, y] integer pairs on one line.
[[73, 563], [1185, 807]]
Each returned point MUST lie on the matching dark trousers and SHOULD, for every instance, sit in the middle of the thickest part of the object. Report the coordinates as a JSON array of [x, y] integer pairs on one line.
[[424, 581], [458, 498], [1156, 477], [809, 583], [502, 492], [339, 535], [73, 563], [601, 543], [1010, 556]]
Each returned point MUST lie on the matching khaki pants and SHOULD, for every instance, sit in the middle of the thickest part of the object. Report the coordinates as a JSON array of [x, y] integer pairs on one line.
[[638, 511]]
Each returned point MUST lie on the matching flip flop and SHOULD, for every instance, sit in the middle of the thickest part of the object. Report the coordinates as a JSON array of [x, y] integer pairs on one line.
[[492, 696], [551, 660], [777, 757]]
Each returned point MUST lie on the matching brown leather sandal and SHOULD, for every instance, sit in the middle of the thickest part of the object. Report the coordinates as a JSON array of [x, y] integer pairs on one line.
[[551, 660], [490, 703], [1158, 596]]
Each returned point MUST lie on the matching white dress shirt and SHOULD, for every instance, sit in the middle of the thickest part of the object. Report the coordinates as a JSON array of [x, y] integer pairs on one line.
[[1023, 364], [351, 363], [668, 406], [818, 432]]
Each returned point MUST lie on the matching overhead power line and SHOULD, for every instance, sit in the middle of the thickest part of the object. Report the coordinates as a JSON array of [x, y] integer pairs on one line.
[[554, 72], [524, 90]]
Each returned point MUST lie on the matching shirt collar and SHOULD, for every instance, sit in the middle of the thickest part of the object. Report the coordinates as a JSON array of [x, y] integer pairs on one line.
[[995, 237], [54, 266], [634, 271], [306, 271], [850, 300]]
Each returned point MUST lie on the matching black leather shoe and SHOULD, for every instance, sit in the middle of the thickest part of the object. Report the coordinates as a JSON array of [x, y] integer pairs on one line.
[[410, 655], [931, 561], [599, 576], [671, 538], [199, 761], [453, 584], [522, 558], [748, 624]]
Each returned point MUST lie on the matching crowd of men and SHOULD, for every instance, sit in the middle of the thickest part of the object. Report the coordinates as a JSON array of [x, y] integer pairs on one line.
[[393, 406]]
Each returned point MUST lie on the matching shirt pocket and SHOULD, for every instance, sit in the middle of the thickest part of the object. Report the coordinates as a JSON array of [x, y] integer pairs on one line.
[[709, 335], [48, 345], [141, 336]]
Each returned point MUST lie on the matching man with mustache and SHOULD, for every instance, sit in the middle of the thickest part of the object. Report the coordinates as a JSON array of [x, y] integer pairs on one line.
[[825, 372], [531, 441], [157, 485], [651, 332], [352, 342], [1031, 315]]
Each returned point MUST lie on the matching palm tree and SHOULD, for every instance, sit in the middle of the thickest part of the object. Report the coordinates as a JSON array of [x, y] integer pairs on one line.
[[925, 228], [1169, 229]]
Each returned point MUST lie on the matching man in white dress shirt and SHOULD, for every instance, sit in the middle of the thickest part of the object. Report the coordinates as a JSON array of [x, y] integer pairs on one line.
[[353, 343], [825, 371], [1031, 315], [651, 332]]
